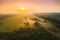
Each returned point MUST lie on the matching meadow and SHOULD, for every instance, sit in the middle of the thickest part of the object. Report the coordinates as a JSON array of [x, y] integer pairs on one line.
[[35, 27]]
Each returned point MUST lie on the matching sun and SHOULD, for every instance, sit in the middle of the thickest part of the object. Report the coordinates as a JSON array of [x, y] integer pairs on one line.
[[22, 8]]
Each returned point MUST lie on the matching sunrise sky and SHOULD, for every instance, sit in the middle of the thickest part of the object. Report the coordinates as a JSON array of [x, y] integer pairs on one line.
[[12, 6]]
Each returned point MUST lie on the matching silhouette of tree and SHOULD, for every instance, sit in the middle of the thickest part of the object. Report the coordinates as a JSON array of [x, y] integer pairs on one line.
[[36, 24]]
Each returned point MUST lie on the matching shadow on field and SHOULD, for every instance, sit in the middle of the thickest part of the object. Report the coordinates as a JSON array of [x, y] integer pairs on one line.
[[54, 21], [37, 33]]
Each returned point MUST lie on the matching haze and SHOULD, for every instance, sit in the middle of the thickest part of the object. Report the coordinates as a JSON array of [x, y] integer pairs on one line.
[[33, 6]]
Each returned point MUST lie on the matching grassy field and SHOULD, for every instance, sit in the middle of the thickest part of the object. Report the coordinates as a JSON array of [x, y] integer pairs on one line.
[[33, 27]]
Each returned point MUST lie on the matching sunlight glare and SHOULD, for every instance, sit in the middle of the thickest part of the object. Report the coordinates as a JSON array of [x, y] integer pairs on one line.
[[22, 8]]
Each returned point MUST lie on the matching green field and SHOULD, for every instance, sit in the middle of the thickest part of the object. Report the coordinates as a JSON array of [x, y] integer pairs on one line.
[[37, 26]]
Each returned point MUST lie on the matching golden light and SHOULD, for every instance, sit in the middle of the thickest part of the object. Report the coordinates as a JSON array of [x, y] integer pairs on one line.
[[23, 10]]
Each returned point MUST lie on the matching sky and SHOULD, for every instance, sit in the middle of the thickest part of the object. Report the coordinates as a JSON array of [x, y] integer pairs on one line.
[[33, 6]]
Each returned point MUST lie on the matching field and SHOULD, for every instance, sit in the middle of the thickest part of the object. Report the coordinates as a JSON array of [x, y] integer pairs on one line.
[[33, 27]]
